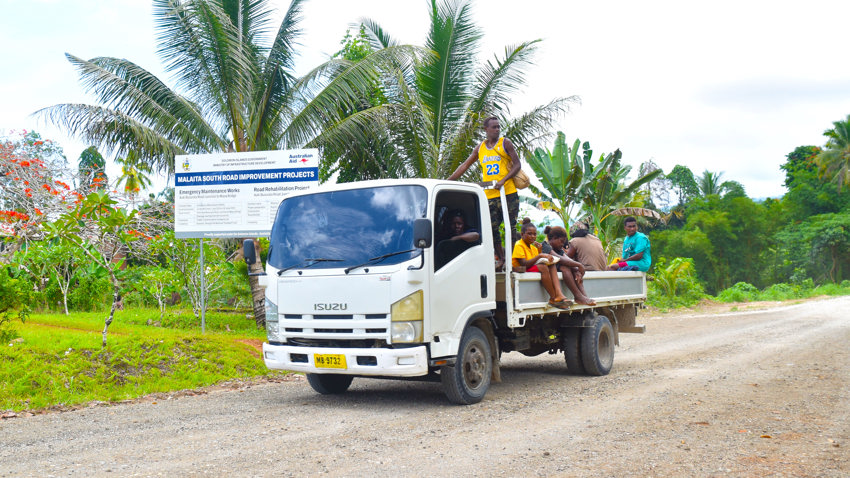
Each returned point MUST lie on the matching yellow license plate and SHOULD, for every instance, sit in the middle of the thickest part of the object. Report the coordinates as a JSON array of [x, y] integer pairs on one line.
[[329, 361]]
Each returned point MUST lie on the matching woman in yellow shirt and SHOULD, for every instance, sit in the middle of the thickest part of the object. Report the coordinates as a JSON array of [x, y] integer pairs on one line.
[[527, 255]]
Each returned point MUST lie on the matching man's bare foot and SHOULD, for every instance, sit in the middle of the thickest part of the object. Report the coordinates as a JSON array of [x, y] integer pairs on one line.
[[584, 300], [560, 303]]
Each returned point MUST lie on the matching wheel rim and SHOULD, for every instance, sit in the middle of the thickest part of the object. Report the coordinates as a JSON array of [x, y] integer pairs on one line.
[[474, 366]]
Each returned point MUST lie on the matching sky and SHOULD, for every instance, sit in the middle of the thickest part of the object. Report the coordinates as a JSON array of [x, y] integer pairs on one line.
[[724, 86]]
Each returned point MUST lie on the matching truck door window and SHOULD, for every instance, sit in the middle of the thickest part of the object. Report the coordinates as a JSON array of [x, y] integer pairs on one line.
[[456, 215]]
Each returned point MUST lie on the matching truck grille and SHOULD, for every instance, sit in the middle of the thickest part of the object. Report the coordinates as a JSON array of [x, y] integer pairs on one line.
[[335, 326]]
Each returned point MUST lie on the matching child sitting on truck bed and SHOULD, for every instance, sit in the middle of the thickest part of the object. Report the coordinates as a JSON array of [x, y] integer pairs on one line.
[[572, 271], [526, 254]]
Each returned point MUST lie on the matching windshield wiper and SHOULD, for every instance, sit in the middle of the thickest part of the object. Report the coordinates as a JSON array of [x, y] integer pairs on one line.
[[377, 259], [312, 262]]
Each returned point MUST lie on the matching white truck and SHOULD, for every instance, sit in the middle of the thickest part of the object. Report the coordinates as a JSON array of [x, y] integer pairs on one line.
[[358, 284]]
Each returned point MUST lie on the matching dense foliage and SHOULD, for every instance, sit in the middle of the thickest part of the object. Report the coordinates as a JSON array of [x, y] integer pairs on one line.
[[801, 238]]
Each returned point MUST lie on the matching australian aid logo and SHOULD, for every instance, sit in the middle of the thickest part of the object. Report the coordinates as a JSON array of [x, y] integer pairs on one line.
[[301, 159]]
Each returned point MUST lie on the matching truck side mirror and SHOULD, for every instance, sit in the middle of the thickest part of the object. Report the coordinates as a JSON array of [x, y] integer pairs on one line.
[[423, 233], [249, 252]]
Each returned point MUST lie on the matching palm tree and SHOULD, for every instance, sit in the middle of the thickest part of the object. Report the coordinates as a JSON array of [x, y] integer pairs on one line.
[[709, 184], [133, 176], [834, 160], [433, 110], [240, 90], [241, 95]]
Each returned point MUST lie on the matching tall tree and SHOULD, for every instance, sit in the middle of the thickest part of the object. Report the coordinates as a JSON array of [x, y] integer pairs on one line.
[[834, 160], [808, 193], [90, 166], [133, 176], [709, 183], [241, 92], [434, 110], [684, 183]]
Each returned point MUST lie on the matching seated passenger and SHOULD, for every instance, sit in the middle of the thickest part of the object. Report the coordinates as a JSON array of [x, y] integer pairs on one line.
[[636, 249], [572, 271], [586, 248], [527, 255], [457, 239]]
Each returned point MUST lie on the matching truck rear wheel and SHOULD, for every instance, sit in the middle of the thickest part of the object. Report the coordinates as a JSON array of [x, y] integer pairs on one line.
[[468, 379], [597, 346], [329, 384], [572, 351]]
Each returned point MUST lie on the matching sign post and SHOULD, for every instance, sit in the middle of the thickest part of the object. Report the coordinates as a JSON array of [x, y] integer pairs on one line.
[[236, 195]]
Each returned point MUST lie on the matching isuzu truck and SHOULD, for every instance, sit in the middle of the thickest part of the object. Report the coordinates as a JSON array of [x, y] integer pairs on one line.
[[359, 283]]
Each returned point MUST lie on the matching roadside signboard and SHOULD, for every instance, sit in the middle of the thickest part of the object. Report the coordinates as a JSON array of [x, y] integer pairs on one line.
[[237, 194]]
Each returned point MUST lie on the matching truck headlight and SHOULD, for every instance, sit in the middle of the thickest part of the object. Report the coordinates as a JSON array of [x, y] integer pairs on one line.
[[407, 316], [272, 329]]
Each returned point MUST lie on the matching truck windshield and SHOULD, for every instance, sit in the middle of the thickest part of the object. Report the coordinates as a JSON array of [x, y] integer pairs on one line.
[[351, 226]]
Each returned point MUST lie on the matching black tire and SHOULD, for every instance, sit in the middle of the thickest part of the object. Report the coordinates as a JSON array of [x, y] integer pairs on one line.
[[466, 382], [329, 384], [572, 351], [597, 346]]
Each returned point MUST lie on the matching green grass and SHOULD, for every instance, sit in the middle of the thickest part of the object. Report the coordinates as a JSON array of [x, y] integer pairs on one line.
[[59, 361]]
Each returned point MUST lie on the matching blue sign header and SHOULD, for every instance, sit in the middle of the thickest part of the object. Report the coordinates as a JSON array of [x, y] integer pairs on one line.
[[246, 177]]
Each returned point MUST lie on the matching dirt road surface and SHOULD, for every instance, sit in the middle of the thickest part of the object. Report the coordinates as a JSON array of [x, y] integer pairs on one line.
[[764, 393]]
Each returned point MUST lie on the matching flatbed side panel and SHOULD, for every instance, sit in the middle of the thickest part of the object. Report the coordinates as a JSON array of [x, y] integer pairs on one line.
[[607, 288]]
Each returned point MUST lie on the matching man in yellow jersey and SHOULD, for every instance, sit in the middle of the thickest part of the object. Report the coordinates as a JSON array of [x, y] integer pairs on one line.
[[499, 162]]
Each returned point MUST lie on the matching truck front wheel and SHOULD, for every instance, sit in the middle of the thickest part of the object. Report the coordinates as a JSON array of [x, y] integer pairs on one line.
[[597, 346], [329, 384], [468, 379]]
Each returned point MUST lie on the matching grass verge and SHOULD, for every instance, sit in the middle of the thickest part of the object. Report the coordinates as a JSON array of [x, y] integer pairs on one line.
[[58, 361]]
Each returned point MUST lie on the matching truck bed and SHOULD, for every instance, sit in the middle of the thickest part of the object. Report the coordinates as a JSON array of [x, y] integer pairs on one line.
[[610, 289]]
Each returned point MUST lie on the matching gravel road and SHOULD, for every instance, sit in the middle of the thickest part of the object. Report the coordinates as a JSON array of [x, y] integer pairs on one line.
[[763, 393]]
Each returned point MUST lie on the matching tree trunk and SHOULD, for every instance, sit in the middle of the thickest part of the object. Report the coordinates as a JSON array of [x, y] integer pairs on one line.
[[258, 294], [64, 296], [116, 297]]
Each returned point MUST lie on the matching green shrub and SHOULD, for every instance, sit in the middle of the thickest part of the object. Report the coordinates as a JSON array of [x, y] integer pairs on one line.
[[833, 289], [740, 292], [91, 293], [780, 291], [675, 284], [14, 297]]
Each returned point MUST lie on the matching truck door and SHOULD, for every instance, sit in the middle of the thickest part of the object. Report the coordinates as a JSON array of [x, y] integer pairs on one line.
[[463, 256]]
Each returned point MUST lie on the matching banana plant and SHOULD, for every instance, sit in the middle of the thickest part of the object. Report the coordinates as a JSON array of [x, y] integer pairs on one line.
[[672, 278], [607, 194], [564, 174]]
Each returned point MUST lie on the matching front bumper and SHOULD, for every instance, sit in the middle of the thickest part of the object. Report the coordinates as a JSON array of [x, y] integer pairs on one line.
[[406, 362]]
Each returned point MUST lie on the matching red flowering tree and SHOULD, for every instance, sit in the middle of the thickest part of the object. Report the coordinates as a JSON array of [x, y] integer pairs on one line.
[[34, 184]]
